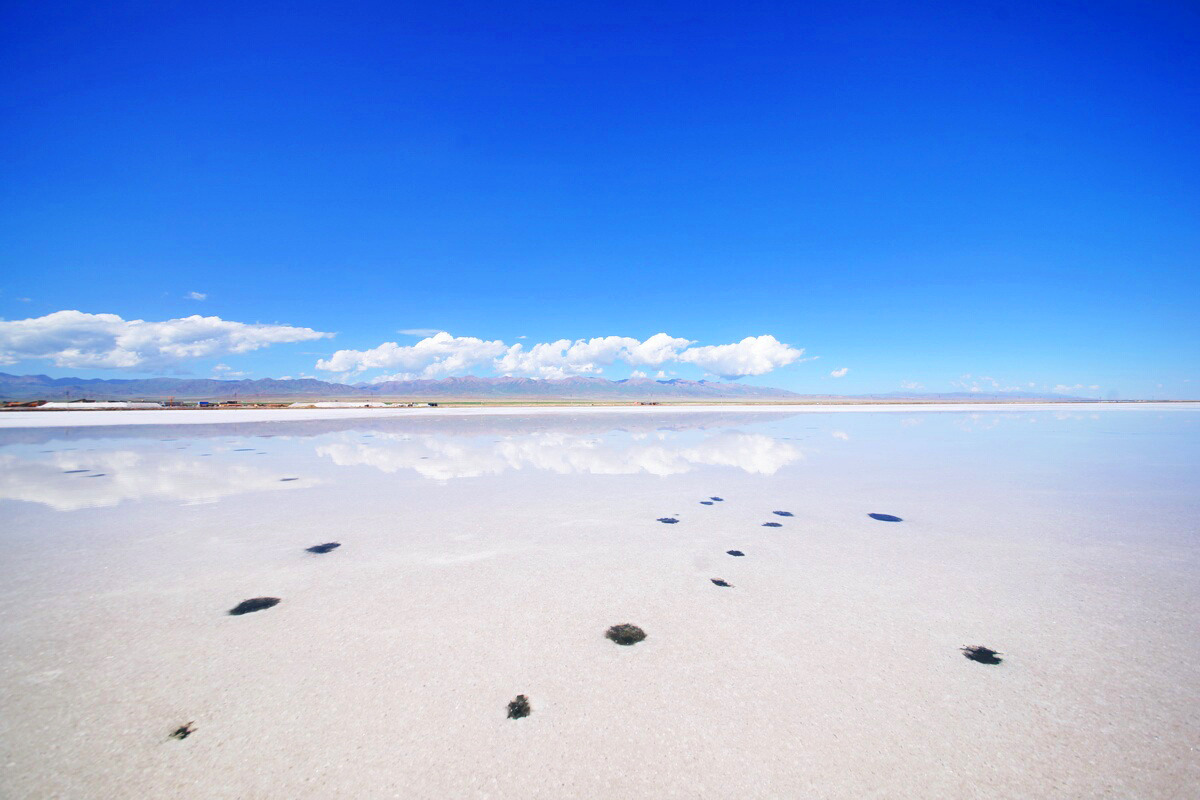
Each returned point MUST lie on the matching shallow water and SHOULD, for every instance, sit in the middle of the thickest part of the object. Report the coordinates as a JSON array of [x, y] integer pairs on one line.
[[484, 557]]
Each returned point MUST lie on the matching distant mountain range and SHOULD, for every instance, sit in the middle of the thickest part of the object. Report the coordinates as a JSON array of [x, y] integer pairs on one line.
[[42, 387]]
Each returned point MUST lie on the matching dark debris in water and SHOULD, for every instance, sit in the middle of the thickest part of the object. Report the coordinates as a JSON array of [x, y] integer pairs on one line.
[[981, 654], [772, 524], [885, 517], [323, 548], [183, 731], [720, 582], [782, 513], [253, 604], [668, 520], [625, 634], [519, 707], [735, 552]]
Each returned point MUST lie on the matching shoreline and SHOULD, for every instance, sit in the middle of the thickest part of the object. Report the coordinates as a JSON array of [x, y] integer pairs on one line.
[[14, 419]]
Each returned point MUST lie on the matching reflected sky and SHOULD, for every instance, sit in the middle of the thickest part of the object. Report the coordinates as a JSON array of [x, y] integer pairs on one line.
[[67, 469], [614, 453], [107, 476]]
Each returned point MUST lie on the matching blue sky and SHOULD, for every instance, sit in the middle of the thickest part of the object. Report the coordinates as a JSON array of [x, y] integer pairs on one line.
[[913, 192]]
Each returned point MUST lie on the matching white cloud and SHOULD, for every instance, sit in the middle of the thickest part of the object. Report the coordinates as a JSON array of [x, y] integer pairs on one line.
[[106, 341], [982, 383], [226, 371], [444, 354], [754, 355], [588, 356], [419, 331], [911, 385], [839, 373], [197, 296], [637, 373], [845, 437], [438, 355]]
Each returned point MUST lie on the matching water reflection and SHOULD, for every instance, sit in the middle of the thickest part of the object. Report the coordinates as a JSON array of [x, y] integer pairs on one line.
[[196, 464], [60, 480], [666, 453]]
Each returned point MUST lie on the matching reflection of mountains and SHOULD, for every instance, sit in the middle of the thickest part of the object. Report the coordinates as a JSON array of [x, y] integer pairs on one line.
[[128, 475], [631, 421], [444, 457]]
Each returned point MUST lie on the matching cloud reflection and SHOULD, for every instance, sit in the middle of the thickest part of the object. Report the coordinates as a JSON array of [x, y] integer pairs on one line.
[[443, 458], [127, 475]]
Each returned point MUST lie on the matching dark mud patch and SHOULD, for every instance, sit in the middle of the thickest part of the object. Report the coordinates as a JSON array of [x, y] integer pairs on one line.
[[885, 517], [981, 654], [783, 513], [183, 731], [719, 582], [252, 605], [323, 548], [668, 520], [772, 524], [738, 553], [625, 634], [519, 707]]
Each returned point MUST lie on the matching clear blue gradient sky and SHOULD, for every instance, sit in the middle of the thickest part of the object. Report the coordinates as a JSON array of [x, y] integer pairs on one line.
[[912, 191]]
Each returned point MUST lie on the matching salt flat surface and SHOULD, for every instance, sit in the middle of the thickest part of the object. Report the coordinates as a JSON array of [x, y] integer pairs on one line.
[[52, 419], [484, 554]]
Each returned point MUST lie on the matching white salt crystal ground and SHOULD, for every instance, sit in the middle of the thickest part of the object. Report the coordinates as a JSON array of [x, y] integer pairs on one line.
[[484, 556]]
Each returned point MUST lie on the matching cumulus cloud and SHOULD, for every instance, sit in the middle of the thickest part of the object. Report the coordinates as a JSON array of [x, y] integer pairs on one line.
[[106, 341], [435, 356], [443, 354], [565, 357], [981, 383], [197, 296], [1063, 388], [754, 355], [839, 373], [419, 331]]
